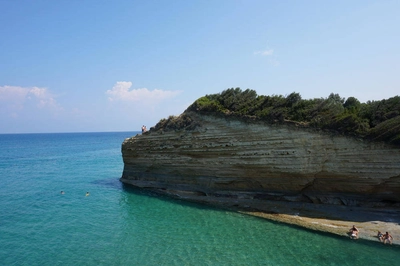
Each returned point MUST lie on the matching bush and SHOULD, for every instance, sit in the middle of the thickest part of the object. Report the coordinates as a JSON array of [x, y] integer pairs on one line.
[[388, 131], [378, 120], [205, 104], [183, 121]]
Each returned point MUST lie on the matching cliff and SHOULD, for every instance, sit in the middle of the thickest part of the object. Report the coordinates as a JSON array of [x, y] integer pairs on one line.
[[226, 160]]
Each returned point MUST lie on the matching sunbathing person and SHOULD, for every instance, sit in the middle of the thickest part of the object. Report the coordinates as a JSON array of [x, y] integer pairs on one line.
[[380, 236], [354, 232], [387, 238]]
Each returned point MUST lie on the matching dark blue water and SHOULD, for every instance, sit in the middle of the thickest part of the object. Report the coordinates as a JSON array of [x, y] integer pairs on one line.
[[119, 225]]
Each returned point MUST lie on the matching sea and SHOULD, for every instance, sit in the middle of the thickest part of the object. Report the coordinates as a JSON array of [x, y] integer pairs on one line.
[[99, 221]]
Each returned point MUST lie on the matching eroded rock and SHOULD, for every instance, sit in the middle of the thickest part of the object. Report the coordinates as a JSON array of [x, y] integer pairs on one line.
[[230, 158]]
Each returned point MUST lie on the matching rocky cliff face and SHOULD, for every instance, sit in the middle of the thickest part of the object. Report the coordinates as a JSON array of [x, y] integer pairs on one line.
[[228, 158]]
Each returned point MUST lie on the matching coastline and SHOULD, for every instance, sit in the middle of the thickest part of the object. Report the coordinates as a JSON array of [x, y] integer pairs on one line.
[[333, 219]]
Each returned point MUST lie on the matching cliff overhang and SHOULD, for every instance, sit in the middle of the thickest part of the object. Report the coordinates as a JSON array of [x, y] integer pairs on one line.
[[246, 162]]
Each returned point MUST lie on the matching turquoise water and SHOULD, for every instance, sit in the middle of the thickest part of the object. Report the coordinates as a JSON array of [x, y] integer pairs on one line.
[[119, 225]]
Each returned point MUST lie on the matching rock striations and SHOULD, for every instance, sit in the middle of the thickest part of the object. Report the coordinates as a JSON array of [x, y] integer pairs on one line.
[[225, 159]]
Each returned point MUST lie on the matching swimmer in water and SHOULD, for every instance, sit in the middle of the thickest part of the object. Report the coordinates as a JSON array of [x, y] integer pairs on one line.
[[87, 194], [62, 192]]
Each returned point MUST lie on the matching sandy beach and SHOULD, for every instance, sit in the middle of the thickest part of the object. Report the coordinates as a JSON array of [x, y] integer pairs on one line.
[[332, 219]]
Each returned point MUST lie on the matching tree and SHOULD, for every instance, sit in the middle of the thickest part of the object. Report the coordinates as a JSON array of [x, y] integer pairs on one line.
[[352, 104], [292, 99]]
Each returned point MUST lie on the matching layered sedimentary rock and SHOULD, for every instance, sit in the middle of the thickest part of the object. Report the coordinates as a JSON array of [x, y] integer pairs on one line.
[[231, 158]]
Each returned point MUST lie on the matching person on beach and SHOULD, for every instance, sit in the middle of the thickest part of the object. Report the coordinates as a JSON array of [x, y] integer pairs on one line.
[[380, 236], [387, 238], [354, 232]]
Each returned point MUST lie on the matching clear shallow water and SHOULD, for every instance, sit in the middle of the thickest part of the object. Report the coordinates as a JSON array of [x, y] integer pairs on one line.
[[119, 225]]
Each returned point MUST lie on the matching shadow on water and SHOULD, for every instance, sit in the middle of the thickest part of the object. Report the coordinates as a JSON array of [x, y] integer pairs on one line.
[[145, 192], [115, 183], [148, 193], [309, 210], [109, 183]]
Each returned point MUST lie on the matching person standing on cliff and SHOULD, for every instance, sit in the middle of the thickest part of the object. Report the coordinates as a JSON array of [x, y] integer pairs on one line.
[[143, 128]]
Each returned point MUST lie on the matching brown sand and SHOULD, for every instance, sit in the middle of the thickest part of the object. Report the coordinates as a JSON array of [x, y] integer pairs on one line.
[[332, 219]]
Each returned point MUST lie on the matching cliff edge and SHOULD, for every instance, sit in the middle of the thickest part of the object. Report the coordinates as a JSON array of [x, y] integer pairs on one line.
[[269, 170]]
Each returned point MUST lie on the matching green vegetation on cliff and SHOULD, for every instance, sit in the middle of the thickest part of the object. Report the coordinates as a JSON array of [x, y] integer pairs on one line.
[[374, 120]]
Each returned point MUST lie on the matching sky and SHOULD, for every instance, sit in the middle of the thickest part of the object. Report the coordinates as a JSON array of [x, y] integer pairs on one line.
[[99, 66]]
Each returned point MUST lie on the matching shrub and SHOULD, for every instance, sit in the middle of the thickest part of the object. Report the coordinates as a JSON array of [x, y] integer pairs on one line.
[[378, 120], [183, 121], [388, 131]]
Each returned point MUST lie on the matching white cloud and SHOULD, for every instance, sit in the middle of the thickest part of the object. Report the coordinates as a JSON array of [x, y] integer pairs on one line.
[[12, 93], [15, 98], [38, 92], [266, 52], [121, 92]]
